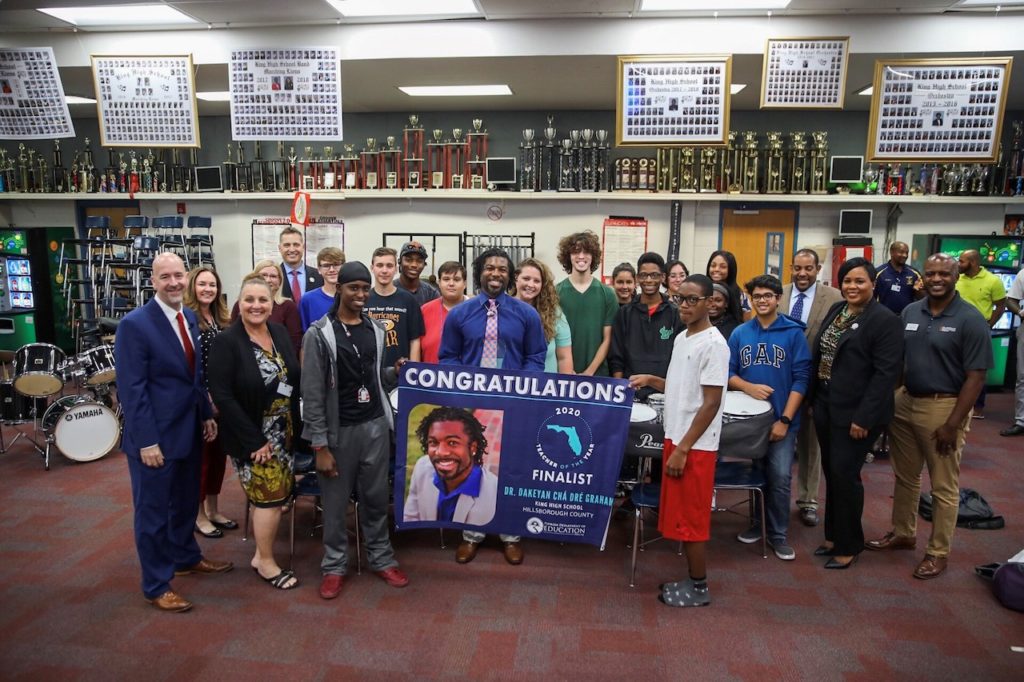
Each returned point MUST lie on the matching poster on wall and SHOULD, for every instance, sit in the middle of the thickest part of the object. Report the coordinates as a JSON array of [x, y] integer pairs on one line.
[[292, 94], [523, 453], [672, 100], [938, 109], [804, 73], [322, 231], [146, 100], [623, 240], [32, 105]]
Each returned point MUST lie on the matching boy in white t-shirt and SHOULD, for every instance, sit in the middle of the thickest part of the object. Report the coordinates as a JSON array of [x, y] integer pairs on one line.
[[697, 376]]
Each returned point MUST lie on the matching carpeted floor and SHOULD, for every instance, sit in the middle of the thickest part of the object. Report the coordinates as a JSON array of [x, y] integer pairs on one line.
[[70, 606]]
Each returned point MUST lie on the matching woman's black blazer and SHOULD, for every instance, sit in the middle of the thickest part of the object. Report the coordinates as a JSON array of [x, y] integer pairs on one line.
[[866, 368], [238, 391]]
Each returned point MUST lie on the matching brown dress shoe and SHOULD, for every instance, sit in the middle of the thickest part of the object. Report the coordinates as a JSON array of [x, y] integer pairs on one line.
[[207, 567], [513, 553], [466, 552], [930, 567], [891, 541], [171, 602]]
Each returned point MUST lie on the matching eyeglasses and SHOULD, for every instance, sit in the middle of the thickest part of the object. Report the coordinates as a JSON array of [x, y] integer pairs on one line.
[[763, 297], [649, 276], [330, 266], [691, 300]]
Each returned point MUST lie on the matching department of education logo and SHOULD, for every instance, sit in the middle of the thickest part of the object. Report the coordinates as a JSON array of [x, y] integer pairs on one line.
[[564, 440], [534, 525]]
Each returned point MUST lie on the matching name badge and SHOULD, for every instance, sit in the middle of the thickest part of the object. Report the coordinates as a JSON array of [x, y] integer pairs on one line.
[[911, 326], [362, 395], [896, 288], [285, 389]]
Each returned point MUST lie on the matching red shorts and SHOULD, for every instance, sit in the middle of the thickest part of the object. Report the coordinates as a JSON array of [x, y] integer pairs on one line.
[[685, 511]]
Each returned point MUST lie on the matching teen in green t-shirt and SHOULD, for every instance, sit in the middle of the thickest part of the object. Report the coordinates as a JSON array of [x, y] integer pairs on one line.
[[588, 305]]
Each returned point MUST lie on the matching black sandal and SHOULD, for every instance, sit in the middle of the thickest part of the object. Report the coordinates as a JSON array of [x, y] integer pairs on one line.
[[215, 533], [280, 581]]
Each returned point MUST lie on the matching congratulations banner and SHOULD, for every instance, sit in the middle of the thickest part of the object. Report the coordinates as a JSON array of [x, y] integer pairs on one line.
[[522, 453]]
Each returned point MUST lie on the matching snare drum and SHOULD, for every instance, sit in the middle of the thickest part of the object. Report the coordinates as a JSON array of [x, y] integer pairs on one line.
[[393, 399], [641, 413], [37, 370], [746, 425], [82, 429], [657, 403], [99, 365]]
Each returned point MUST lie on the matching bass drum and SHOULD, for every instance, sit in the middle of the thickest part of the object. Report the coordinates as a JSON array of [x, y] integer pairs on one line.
[[82, 429]]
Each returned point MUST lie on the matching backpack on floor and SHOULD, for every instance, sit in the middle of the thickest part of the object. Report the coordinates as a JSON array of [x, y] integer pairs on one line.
[[1008, 584], [974, 511]]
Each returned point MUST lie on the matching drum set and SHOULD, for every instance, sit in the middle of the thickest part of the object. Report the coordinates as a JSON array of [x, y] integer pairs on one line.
[[69, 401]]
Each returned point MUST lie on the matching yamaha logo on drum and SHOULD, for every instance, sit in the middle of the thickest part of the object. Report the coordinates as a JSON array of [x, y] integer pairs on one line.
[[83, 414]]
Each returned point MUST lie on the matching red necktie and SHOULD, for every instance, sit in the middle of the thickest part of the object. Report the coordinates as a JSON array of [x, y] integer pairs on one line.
[[296, 287], [186, 340]]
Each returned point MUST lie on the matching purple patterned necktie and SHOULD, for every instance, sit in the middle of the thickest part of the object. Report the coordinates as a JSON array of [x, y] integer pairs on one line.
[[490, 355]]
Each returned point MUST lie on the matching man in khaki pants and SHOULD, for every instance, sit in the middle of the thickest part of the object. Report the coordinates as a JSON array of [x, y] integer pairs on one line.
[[947, 353], [806, 300]]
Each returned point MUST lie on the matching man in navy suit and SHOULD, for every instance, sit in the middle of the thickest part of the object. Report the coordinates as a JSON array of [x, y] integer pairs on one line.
[[166, 412], [292, 246]]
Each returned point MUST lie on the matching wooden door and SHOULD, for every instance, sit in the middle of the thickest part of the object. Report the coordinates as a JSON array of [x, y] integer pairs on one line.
[[115, 213], [763, 239]]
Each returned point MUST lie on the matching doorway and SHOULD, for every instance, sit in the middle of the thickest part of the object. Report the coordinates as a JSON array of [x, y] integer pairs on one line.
[[761, 236]]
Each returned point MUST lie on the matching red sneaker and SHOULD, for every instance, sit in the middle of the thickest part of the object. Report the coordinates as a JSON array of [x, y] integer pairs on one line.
[[393, 576], [330, 586]]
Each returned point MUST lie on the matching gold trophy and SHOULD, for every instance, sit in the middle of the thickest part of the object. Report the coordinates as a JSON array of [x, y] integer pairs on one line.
[[798, 164], [709, 169], [819, 162], [751, 163], [688, 170], [668, 163], [731, 156], [774, 180]]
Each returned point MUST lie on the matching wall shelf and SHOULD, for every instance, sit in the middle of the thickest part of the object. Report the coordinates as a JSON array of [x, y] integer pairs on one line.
[[483, 195]]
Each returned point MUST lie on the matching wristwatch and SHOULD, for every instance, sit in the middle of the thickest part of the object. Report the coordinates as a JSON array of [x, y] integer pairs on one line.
[[785, 420]]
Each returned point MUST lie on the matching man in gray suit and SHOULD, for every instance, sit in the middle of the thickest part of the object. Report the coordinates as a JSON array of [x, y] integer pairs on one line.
[[807, 300], [450, 483]]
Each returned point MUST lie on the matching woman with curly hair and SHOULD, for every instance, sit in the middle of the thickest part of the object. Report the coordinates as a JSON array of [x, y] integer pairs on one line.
[[532, 283], [589, 305], [203, 296]]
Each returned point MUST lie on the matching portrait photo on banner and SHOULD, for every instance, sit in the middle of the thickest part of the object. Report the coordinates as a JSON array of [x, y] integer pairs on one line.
[[453, 456]]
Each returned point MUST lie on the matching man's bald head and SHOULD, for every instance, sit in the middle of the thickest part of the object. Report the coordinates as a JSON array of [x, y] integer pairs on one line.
[[169, 278], [970, 262], [898, 254]]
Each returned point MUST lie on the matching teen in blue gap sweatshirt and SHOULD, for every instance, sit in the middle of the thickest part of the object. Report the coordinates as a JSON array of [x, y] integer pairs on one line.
[[770, 360]]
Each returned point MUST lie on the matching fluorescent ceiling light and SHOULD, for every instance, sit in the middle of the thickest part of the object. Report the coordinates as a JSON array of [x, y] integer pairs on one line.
[[710, 5], [736, 88], [221, 96], [870, 90], [988, 3], [75, 99], [455, 90], [110, 15], [398, 8]]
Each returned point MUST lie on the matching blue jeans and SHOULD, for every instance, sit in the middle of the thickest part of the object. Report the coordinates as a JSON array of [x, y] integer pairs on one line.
[[778, 470]]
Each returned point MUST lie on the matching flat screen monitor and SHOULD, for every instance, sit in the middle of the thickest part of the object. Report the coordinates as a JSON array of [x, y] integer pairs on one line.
[[501, 170], [855, 221], [846, 170], [1006, 321], [208, 179]]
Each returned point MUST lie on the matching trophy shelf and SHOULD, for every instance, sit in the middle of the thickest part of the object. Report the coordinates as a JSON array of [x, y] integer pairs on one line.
[[484, 195]]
